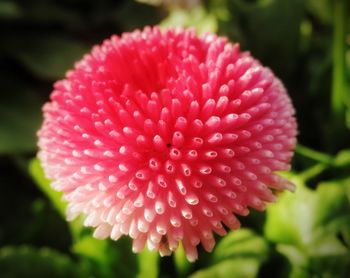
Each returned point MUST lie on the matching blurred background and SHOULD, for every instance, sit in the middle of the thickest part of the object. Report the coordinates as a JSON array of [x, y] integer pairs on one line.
[[305, 42]]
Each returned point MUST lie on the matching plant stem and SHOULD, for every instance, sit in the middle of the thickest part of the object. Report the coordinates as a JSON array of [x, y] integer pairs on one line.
[[148, 264], [315, 155], [339, 70], [182, 266], [312, 172]]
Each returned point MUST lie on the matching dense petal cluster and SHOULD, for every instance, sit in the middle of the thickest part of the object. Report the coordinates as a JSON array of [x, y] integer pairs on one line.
[[166, 136]]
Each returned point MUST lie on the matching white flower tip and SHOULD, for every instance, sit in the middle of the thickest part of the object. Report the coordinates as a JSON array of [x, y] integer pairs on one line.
[[289, 186], [102, 232], [191, 257]]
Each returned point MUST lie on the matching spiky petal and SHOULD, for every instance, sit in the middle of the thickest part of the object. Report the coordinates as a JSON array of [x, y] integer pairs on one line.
[[166, 136]]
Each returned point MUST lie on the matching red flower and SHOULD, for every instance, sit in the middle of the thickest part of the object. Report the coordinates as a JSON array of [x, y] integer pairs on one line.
[[166, 136]]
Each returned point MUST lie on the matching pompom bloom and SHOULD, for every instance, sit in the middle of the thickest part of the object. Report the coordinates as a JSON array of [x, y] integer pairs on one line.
[[165, 136]]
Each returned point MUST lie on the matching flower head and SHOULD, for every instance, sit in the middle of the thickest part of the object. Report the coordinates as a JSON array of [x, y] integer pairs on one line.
[[166, 136]]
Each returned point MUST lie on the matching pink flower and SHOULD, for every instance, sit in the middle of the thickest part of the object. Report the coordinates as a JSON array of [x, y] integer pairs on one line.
[[166, 136]]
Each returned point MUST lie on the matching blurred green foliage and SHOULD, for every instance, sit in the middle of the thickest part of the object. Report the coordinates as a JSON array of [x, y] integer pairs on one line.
[[238, 254], [311, 228], [27, 261], [306, 43]]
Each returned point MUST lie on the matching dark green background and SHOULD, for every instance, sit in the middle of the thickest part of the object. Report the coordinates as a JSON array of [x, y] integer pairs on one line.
[[305, 42]]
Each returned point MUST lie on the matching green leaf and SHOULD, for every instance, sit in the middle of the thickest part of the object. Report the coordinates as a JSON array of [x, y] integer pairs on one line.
[[238, 268], [43, 183], [55, 197], [101, 257], [106, 258], [331, 202], [342, 159], [290, 219], [307, 226], [197, 17], [241, 243], [238, 254], [24, 261]]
